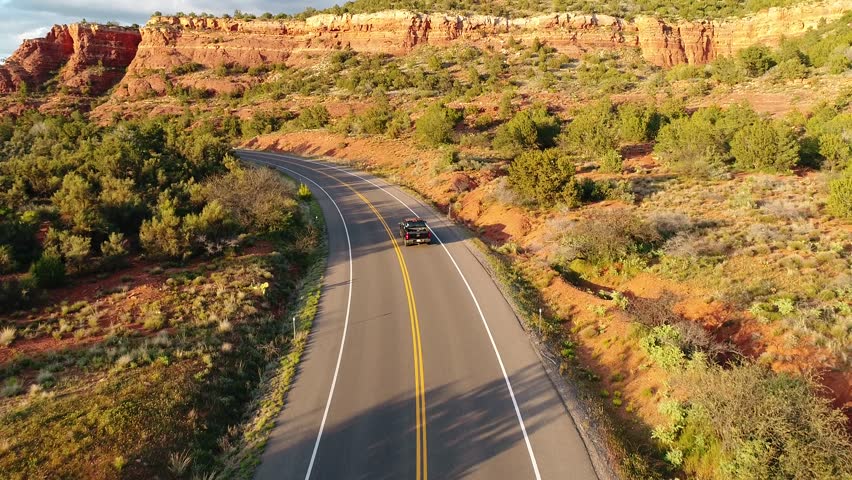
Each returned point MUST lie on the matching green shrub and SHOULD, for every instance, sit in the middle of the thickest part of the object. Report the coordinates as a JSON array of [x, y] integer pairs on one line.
[[122, 207], [727, 70], [516, 135], [731, 120], [601, 71], [304, 192], [212, 229], [693, 146], [765, 146], [229, 68], [114, 246], [547, 126], [114, 250], [763, 425], [791, 69], [48, 271], [399, 124], [506, 108], [436, 125], [662, 344], [375, 121], [533, 128], [313, 117], [18, 238], [756, 60], [840, 196], [592, 131], [789, 49], [547, 177], [15, 294], [685, 71], [162, 236], [637, 122], [7, 129], [259, 199], [258, 70], [446, 161], [835, 151], [599, 190], [611, 162], [670, 109], [75, 249], [838, 64], [78, 204], [187, 68], [337, 60], [261, 123]]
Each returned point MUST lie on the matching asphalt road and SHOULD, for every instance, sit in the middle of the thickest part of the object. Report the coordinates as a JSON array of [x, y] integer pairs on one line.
[[417, 367]]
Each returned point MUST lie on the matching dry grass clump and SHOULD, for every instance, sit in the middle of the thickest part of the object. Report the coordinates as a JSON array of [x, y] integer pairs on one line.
[[7, 335]]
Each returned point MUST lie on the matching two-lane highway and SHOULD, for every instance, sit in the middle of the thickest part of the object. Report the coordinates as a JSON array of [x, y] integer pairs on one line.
[[417, 366]]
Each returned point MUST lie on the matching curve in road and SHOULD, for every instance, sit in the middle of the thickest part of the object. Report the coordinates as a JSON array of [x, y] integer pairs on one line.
[[492, 411]]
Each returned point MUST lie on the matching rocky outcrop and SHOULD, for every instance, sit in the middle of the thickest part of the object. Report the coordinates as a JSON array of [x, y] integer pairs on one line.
[[85, 58], [101, 56], [36, 60], [668, 44], [392, 32], [169, 42], [91, 58]]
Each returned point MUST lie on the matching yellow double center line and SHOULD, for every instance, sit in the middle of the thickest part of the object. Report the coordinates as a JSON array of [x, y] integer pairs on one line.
[[417, 348]]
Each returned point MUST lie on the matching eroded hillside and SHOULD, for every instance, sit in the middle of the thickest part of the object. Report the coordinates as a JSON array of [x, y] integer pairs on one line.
[[87, 59]]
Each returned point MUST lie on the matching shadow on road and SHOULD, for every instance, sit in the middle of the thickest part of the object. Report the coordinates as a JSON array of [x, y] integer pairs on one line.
[[468, 430]]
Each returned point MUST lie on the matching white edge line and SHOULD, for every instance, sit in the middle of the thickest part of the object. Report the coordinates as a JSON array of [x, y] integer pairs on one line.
[[470, 291], [345, 322]]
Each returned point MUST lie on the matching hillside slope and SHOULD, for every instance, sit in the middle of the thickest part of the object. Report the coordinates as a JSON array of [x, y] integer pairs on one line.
[[89, 59]]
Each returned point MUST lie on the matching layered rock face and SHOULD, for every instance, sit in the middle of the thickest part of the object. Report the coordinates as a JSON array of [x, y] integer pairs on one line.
[[701, 42], [87, 58], [168, 42], [36, 59], [92, 58]]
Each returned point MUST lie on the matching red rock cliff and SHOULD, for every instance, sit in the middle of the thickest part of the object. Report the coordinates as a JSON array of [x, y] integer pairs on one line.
[[88, 58], [168, 42], [92, 58], [669, 44]]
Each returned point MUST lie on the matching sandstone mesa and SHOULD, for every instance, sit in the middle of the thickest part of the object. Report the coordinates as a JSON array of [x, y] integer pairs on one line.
[[90, 59]]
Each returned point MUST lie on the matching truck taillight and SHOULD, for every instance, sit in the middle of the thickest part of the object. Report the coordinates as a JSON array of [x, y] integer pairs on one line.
[[429, 234], [406, 236]]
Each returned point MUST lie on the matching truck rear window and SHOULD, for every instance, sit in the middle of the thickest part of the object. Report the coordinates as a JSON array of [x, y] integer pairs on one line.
[[416, 225]]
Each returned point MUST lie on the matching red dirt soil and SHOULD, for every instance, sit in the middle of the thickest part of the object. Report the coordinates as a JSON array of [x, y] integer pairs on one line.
[[142, 289]]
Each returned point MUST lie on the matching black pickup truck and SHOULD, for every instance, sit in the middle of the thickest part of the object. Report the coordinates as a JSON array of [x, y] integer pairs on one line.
[[414, 231]]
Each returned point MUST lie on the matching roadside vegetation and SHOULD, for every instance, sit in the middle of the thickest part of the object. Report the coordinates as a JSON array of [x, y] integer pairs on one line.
[[146, 279], [725, 207]]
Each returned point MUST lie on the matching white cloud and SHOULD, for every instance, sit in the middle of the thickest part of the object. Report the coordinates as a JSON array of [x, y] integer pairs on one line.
[[34, 33]]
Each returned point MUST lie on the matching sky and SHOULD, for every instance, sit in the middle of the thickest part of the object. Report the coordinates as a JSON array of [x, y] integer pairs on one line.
[[20, 19]]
